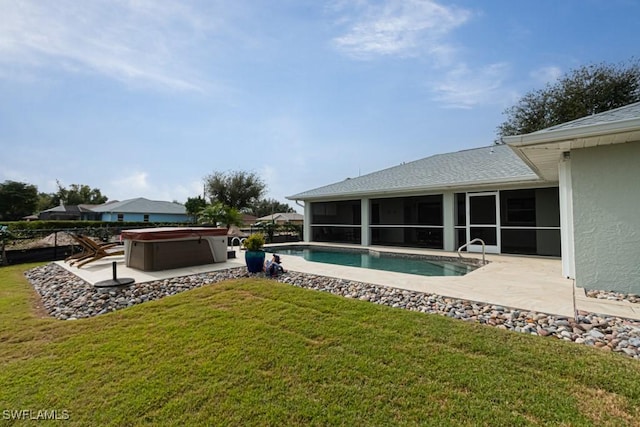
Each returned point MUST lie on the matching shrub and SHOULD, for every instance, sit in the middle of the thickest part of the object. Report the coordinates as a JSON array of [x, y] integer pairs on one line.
[[254, 242]]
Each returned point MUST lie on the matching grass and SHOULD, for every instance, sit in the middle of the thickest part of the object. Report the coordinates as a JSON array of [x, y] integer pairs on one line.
[[257, 352]]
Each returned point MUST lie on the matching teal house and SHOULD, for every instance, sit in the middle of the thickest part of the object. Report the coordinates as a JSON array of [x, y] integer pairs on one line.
[[142, 210]]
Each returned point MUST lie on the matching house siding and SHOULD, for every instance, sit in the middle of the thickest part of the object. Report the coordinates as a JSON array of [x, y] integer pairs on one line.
[[606, 206]]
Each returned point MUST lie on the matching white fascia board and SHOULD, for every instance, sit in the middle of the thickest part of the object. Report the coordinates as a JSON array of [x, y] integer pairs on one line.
[[553, 136], [526, 160]]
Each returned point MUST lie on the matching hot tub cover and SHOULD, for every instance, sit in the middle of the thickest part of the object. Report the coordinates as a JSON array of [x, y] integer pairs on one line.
[[164, 233]]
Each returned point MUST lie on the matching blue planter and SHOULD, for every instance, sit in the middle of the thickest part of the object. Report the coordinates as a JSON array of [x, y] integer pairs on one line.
[[254, 260]]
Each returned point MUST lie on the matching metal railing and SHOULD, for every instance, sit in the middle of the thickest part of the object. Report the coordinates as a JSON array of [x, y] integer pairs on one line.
[[240, 242], [484, 262]]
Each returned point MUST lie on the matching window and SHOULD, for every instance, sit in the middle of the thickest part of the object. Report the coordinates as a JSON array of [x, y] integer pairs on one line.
[[146, 218], [375, 213], [430, 210], [518, 208], [338, 234], [344, 212], [530, 221], [120, 217], [415, 221], [421, 210]]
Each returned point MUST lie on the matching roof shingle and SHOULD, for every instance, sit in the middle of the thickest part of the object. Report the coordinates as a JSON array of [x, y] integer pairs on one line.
[[469, 167], [627, 112], [142, 205]]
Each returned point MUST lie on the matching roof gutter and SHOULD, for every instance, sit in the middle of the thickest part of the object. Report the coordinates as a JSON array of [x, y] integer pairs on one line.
[[545, 137]]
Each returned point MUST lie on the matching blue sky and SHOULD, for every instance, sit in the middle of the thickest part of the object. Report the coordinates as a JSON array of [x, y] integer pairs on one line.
[[145, 98]]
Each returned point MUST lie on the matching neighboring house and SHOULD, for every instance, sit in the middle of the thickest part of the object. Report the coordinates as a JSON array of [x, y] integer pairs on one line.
[[575, 184], [283, 218], [61, 212], [248, 220], [596, 161], [142, 210]]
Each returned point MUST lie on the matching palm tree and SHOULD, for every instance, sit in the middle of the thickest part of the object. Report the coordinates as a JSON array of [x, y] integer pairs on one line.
[[219, 214]]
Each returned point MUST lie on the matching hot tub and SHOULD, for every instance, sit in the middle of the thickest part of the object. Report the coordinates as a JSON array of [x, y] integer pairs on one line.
[[166, 248]]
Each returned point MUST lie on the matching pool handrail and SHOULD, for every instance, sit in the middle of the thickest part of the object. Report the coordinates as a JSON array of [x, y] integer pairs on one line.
[[477, 239], [240, 242]]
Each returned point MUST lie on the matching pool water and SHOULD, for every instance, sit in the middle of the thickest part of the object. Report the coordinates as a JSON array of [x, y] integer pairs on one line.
[[398, 264]]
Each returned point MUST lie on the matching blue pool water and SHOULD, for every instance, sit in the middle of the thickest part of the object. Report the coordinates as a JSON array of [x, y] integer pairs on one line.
[[398, 264]]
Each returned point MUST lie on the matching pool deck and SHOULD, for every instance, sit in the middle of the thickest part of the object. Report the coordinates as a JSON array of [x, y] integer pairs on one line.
[[529, 283]]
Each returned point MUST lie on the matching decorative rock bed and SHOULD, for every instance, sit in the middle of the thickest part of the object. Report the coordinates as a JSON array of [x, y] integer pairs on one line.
[[613, 296], [66, 296]]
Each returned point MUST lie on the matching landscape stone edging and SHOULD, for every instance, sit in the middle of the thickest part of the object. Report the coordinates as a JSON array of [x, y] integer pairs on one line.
[[65, 296]]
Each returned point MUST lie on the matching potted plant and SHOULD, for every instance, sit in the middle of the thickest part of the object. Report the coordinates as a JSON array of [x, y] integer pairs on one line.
[[254, 256]]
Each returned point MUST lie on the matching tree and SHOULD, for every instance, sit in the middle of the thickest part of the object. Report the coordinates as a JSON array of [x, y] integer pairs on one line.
[[194, 205], [78, 194], [45, 201], [236, 189], [17, 200], [266, 207], [590, 89], [217, 213]]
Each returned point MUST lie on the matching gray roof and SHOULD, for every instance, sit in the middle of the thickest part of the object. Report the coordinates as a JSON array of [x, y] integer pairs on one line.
[[71, 208], [545, 148], [628, 112], [286, 216], [142, 205], [486, 165]]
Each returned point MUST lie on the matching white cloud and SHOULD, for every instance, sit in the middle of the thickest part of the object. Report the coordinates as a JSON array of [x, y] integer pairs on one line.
[[270, 176], [129, 186], [463, 87], [137, 42], [548, 74], [143, 184], [400, 28]]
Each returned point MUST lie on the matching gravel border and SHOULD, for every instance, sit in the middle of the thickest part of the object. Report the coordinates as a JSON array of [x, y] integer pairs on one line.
[[65, 296], [613, 296]]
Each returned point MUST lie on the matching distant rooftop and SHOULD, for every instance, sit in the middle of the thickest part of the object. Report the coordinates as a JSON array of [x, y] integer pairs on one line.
[[283, 216], [141, 205]]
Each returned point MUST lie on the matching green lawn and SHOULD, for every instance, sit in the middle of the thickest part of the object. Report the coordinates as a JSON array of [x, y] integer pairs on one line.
[[258, 352]]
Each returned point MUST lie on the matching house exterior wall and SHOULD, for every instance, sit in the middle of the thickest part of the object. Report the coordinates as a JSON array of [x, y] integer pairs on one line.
[[365, 211], [306, 233], [566, 219], [107, 216], [448, 220], [606, 219]]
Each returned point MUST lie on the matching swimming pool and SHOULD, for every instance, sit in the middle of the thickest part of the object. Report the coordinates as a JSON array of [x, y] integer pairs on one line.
[[398, 263]]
